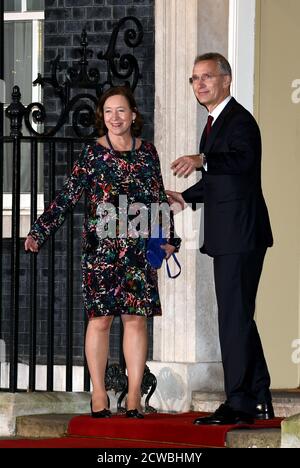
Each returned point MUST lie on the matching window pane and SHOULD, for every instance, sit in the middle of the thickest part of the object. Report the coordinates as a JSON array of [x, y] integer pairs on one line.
[[18, 58], [18, 68], [35, 5], [12, 5]]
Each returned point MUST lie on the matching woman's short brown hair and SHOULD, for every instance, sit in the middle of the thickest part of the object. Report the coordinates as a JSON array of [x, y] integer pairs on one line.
[[137, 125]]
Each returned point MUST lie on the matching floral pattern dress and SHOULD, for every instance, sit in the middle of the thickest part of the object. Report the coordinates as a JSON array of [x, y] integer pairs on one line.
[[117, 278]]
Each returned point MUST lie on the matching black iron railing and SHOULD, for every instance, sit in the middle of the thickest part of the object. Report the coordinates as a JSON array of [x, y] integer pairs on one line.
[[41, 297]]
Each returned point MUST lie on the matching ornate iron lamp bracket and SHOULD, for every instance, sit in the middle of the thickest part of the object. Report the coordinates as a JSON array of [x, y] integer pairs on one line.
[[116, 379], [121, 70]]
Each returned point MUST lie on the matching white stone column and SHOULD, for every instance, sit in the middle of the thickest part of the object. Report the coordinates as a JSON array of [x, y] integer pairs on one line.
[[186, 348]]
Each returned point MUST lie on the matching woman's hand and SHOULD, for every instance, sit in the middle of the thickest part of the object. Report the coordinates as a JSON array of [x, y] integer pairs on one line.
[[176, 201], [31, 244], [169, 249]]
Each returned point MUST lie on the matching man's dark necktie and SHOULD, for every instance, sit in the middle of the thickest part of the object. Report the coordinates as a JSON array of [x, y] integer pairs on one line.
[[209, 124]]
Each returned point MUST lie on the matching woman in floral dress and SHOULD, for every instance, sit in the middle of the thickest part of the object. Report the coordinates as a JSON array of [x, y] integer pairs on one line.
[[118, 172]]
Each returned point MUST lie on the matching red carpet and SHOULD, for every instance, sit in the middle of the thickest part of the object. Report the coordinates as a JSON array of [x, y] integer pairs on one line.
[[160, 427], [158, 430], [87, 442]]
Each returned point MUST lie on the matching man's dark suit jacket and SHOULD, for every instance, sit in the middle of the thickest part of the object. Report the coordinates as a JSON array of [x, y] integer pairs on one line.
[[236, 218]]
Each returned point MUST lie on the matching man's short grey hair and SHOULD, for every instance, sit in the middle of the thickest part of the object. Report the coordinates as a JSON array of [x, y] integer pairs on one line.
[[223, 64]]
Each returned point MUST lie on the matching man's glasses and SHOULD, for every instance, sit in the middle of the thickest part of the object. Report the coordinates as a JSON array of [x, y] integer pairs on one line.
[[205, 77]]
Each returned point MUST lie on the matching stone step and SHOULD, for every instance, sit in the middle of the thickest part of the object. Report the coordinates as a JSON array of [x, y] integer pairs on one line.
[[286, 402], [290, 432], [56, 425], [43, 425], [13, 405], [253, 438], [286, 405]]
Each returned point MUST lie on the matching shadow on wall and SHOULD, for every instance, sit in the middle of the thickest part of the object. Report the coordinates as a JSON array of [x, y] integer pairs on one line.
[[171, 391]]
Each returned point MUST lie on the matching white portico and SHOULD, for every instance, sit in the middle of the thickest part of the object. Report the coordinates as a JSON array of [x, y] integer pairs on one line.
[[186, 353]]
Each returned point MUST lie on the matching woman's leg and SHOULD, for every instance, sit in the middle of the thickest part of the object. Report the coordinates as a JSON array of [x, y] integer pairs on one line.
[[96, 351], [135, 344]]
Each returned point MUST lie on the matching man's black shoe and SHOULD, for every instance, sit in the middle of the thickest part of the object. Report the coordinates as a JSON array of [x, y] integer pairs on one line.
[[264, 411], [225, 415]]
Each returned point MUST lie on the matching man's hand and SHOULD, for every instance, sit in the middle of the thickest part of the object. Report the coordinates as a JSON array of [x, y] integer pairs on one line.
[[185, 165], [176, 201], [31, 244], [169, 250]]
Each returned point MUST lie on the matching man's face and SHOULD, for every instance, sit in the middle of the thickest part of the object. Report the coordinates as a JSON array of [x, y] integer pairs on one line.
[[209, 85]]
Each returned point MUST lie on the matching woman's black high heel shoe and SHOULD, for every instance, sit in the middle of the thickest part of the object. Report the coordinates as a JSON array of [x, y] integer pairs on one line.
[[134, 413], [105, 413]]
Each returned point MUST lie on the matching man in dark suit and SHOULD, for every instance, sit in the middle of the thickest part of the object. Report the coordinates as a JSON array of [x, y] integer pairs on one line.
[[237, 233]]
